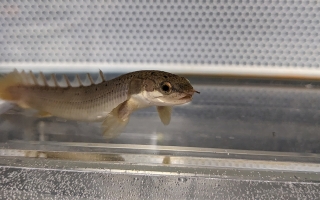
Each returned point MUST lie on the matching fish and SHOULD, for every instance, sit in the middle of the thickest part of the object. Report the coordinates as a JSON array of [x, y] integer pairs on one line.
[[110, 101]]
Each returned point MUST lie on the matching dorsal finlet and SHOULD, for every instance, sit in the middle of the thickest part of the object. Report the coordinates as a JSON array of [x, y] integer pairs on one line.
[[101, 75], [53, 77], [67, 80], [33, 78], [79, 80], [16, 72], [90, 78], [43, 79], [24, 78]]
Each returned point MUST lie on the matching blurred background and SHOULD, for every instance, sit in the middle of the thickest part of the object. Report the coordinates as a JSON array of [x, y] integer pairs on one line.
[[255, 62], [201, 37]]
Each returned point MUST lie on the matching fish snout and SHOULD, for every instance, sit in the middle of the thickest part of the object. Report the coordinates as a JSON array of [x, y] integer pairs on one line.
[[191, 92]]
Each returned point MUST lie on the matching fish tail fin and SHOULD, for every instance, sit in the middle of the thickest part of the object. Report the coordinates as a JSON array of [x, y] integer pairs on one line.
[[112, 126], [9, 80]]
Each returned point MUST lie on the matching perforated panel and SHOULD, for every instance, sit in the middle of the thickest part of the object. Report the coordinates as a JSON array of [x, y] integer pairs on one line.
[[251, 33]]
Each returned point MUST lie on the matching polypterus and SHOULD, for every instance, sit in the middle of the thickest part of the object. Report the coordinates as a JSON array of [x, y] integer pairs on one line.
[[110, 101]]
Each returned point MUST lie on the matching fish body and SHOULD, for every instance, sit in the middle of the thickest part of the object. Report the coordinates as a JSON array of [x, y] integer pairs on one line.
[[110, 101]]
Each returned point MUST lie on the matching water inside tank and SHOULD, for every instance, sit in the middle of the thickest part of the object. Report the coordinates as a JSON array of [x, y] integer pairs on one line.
[[253, 131], [230, 113]]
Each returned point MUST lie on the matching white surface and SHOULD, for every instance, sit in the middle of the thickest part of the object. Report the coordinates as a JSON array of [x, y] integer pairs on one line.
[[174, 68]]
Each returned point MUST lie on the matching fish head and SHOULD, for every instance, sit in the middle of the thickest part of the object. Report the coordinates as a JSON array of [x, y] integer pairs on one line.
[[166, 89]]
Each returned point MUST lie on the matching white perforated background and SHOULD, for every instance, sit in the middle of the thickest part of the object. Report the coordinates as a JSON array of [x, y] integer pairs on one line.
[[273, 33]]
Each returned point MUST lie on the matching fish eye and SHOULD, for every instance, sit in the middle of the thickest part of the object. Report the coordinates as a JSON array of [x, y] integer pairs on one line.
[[166, 87]]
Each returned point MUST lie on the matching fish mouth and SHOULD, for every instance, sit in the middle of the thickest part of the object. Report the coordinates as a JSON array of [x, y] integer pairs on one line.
[[186, 97], [189, 95]]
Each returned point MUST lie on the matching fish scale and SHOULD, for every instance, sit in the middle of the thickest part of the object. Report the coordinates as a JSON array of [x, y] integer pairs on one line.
[[76, 103]]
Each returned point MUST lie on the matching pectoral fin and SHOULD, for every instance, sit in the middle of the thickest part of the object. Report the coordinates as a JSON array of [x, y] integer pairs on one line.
[[164, 114], [112, 126], [116, 121]]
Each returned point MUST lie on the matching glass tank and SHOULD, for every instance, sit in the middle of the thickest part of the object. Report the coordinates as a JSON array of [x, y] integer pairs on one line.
[[251, 133]]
